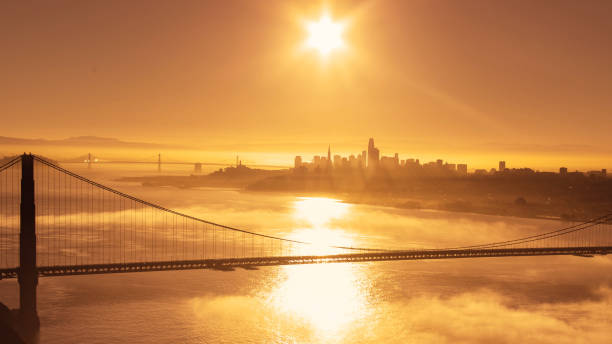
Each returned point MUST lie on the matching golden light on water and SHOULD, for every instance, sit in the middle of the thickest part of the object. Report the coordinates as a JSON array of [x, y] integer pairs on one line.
[[329, 297], [318, 213], [325, 34]]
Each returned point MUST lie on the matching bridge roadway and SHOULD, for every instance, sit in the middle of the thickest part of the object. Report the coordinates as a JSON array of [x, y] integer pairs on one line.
[[229, 264]]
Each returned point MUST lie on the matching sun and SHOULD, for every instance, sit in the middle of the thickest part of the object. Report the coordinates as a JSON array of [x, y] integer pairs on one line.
[[325, 35]]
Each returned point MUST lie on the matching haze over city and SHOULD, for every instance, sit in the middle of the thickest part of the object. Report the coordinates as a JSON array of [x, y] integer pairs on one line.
[[528, 80], [305, 171]]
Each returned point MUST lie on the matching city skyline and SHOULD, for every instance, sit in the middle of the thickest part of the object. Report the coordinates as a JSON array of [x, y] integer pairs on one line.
[[371, 159], [252, 154]]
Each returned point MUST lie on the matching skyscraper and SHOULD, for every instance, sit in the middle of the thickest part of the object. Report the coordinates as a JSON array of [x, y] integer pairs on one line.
[[373, 155], [363, 159], [502, 166], [297, 163]]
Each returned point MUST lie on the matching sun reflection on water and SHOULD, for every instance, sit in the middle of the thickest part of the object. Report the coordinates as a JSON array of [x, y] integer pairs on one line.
[[328, 297], [318, 211], [315, 214]]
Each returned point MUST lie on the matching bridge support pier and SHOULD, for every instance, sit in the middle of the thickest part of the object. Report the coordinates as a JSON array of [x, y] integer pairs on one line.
[[27, 275]]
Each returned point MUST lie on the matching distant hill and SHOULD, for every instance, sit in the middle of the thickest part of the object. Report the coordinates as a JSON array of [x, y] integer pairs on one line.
[[81, 141], [7, 159]]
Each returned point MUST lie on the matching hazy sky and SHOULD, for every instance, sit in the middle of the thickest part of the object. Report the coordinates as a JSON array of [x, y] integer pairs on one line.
[[456, 75]]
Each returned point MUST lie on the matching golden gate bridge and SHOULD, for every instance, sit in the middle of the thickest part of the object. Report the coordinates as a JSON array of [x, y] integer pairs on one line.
[[54, 222]]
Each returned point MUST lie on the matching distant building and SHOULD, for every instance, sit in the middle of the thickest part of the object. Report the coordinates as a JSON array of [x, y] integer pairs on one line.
[[602, 173], [563, 171], [345, 163], [198, 167], [462, 169], [388, 163], [575, 174], [502, 166], [354, 162], [440, 162], [297, 163], [337, 161], [373, 155], [520, 171], [361, 162], [412, 164]]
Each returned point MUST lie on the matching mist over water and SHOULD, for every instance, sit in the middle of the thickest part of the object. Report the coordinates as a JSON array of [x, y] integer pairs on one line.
[[561, 299]]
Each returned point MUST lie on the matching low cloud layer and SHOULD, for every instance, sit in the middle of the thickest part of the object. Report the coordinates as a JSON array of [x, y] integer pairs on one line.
[[475, 317]]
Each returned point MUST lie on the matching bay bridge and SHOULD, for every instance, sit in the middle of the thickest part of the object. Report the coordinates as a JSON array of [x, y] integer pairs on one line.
[[54, 222]]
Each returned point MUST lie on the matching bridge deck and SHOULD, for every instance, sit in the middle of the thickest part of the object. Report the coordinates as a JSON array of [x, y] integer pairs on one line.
[[231, 263]]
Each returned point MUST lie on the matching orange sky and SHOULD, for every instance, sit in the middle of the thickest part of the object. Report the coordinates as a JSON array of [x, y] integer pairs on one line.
[[456, 79]]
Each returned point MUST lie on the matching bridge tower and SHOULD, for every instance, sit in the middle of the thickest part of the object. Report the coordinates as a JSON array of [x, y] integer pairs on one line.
[[27, 273]]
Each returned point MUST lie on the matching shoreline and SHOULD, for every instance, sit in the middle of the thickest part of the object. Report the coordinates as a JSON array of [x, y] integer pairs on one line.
[[345, 198], [397, 202], [562, 199]]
